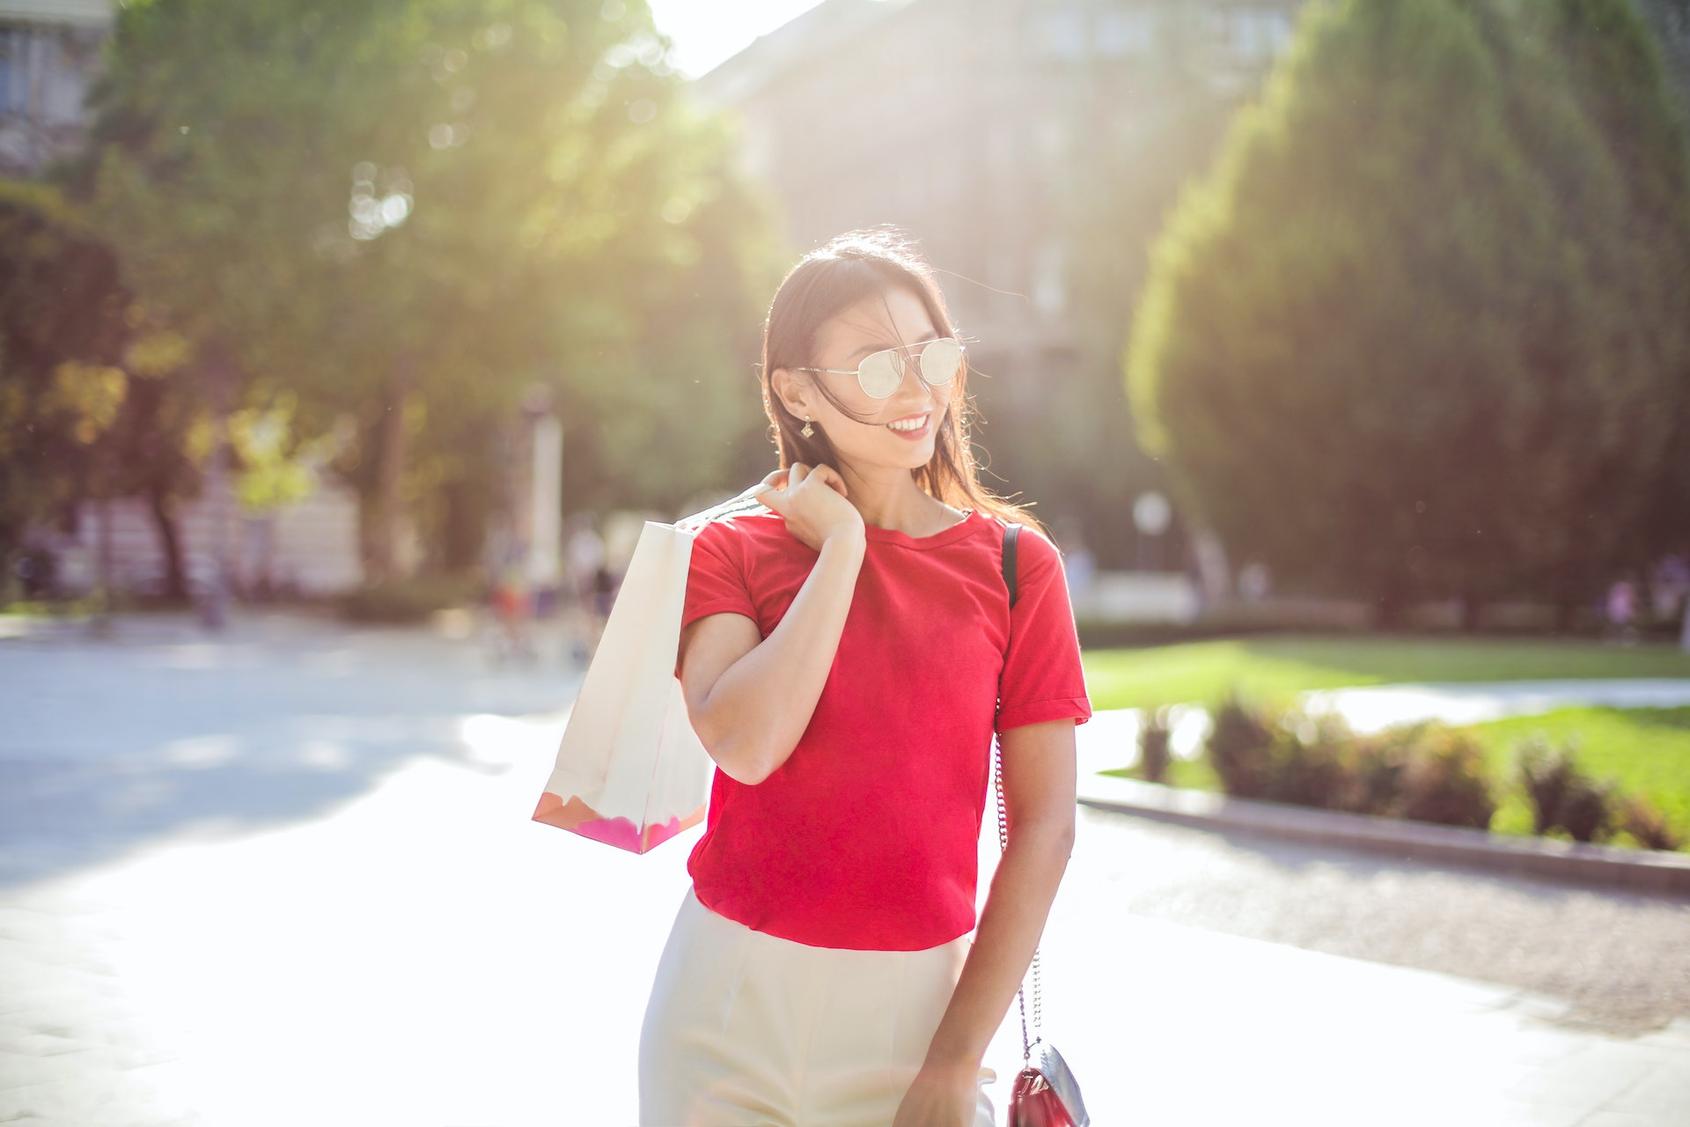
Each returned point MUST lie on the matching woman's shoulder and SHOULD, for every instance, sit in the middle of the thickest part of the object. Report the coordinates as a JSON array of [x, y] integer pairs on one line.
[[1036, 553], [743, 532]]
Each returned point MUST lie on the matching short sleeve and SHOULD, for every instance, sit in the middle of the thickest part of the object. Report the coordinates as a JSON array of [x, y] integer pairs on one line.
[[1042, 677], [716, 577]]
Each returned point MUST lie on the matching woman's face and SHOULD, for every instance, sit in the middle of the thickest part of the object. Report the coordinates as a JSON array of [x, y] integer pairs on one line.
[[893, 318]]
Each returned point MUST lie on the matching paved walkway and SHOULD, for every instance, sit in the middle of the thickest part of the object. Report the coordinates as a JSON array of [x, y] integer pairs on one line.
[[1370, 708], [275, 880]]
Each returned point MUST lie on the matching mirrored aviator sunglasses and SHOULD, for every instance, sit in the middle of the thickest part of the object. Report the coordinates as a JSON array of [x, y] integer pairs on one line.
[[880, 373]]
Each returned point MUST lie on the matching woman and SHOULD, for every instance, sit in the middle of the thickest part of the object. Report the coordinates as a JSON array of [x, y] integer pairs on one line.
[[843, 654]]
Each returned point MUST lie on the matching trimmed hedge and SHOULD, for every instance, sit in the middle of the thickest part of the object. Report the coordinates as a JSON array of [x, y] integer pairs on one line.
[[1428, 772]]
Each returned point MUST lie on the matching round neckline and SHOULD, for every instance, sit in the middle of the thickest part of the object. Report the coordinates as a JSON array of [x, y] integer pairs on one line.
[[944, 536]]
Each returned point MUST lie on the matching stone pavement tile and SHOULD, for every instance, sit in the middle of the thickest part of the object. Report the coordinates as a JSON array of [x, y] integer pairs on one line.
[[1172, 1024], [88, 1091], [1662, 1095], [423, 953], [1584, 1081]]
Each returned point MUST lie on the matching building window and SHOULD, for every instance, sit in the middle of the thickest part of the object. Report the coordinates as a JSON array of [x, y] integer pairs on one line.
[[1259, 34], [15, 57], [1127, 33], [1060, 34]]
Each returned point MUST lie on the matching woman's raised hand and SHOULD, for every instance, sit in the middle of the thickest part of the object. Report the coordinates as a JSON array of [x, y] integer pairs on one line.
[[813, 501]]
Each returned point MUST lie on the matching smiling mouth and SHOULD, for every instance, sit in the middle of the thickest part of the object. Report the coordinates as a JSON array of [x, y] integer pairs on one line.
[[926, 421]]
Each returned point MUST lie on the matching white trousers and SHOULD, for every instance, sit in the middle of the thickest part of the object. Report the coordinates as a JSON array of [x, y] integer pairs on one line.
[[747, 1029]]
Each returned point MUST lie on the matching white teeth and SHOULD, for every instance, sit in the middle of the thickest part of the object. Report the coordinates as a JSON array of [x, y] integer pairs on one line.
[[916, 425]]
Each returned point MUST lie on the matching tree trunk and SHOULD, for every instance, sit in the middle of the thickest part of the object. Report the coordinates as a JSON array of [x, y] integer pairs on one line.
[[381, 545], [219, 375], [161, 505], [465, 525]]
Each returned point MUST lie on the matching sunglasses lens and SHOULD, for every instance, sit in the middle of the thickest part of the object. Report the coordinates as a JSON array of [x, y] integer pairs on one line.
[[879, 375], [941, 360]]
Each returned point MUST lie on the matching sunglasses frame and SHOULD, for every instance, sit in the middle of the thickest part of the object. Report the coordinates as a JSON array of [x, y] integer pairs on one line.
[[898, 361]]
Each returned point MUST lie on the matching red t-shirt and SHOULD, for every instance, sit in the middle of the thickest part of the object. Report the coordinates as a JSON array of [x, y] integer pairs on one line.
[[867, 837]]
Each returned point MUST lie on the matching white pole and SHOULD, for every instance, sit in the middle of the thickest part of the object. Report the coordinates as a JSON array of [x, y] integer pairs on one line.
[[545, 541]]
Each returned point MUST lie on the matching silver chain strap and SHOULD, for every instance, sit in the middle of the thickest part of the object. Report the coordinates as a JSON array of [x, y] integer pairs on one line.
[[1003, 845]]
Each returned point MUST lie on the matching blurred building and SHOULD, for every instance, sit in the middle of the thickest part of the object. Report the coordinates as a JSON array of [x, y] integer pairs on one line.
[[1670, 20], [49, 54], [967, 121]]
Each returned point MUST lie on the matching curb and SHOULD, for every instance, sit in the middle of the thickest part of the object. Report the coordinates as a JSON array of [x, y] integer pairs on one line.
[[1609, 866]]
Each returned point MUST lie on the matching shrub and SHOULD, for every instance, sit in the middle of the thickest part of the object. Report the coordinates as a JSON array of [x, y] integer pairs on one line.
[[1444, 780], [1546, 774], [1238, 746], [1374, 767], [1587, 809], [1153, 739], [1639, 818], [1306, 759], [1562, 796], [1426, 772]]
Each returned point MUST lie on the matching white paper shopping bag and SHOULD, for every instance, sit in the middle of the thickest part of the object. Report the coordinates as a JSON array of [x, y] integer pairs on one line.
[[630, 770]]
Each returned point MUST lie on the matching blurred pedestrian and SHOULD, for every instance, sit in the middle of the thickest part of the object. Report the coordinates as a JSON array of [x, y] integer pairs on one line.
[[513, 607], [584, 553], [1671, 586], [1622, 609]]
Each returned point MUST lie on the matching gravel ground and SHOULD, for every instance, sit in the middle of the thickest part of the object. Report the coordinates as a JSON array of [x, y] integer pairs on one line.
[[1617, 958]]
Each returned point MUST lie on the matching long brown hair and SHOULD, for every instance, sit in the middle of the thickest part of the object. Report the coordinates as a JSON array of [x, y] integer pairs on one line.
[[846, 269]]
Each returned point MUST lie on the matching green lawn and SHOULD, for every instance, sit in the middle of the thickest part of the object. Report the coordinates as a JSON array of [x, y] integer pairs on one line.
[[1273, 669], [1645, 750]]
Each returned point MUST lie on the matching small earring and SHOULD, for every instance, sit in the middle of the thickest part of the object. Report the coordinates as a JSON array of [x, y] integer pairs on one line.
[[808, 431]]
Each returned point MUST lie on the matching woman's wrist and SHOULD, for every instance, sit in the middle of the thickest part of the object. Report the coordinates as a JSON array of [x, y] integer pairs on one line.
[[846, 540], [951, 1067]]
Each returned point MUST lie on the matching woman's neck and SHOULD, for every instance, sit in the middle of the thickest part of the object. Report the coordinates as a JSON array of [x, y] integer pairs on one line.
[[902, 508]]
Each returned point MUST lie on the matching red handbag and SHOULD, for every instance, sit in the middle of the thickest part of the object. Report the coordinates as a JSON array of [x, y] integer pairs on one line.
[[1045, 1093]]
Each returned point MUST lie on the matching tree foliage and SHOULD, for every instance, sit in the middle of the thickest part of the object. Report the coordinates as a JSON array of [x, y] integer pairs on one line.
[[1414, 334], [413, 211]]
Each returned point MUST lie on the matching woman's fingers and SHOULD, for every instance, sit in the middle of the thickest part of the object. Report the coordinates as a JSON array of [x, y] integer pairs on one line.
[[832, 477], [769, 495], [773, 489], [780, 483]]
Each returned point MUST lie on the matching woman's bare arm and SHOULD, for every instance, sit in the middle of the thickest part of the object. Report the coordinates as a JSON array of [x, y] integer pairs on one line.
[[750, 699], [1039, 789]]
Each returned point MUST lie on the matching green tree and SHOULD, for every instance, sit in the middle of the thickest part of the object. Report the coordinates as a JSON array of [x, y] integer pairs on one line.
[[1387, 346], [91, 404], [1635, 245], [412, 212]]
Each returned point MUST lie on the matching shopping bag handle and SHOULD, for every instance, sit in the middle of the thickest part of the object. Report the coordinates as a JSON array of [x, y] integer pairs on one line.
[[738, 503]]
